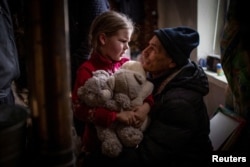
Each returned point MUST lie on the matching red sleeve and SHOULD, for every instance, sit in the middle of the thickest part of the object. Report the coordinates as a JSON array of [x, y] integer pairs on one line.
[[149, 100], [103, 116], [81, 111]]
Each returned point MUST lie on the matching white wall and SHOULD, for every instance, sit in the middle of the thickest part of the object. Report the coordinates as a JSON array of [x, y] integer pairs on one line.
[[206, 25], [217, 92], [209, 13]]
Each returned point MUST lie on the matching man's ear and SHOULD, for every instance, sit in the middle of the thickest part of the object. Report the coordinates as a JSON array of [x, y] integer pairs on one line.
[[102, 38]]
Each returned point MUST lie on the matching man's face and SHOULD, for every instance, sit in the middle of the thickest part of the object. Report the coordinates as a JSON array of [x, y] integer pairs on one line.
[[155, 59]]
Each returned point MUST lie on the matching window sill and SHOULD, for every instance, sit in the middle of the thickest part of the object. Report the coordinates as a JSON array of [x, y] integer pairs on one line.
[[221, 81]]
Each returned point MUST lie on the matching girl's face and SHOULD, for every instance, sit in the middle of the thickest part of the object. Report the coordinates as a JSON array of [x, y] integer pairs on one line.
[[114, 47], [155, 59]]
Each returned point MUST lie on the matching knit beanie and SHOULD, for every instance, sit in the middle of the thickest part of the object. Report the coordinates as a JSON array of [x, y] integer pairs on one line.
[[178, 42]]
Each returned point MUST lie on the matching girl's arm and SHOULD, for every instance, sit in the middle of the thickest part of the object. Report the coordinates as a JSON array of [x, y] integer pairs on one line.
[[141, 112]]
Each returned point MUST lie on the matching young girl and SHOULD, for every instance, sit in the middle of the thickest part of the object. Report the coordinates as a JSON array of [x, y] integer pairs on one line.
[[109, 36]]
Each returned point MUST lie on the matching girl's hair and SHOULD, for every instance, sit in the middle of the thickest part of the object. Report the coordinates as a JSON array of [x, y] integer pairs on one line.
[[108, 23]]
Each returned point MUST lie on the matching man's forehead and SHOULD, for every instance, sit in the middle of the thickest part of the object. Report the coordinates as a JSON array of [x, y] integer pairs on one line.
[[156, 42]]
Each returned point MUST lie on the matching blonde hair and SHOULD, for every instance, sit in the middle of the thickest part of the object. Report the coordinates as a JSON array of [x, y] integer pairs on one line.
[[108, 23]]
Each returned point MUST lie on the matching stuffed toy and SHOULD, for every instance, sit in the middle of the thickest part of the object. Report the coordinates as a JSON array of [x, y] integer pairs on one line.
[[129, 85], [95, 91], [122, 91]]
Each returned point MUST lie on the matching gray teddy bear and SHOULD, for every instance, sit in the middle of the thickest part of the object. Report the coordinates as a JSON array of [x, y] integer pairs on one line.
[[125, 89]]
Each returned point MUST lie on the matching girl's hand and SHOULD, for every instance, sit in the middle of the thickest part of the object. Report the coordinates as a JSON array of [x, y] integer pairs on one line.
[[126, 117], [141, 113]]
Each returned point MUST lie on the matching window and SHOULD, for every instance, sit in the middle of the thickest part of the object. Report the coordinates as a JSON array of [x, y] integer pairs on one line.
[[211, 19], [207, 16]]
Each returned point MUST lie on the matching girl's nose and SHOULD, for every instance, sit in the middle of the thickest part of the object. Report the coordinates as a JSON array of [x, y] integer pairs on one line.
[[126, 46]]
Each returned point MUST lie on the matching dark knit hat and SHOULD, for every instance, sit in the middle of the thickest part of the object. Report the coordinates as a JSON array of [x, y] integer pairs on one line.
[[178, 42]]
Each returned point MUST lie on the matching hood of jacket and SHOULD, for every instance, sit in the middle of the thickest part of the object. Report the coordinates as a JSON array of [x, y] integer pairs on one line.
[[191, 77]]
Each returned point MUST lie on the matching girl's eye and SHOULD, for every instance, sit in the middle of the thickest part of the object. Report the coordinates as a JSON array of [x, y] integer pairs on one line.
[[123, 41]]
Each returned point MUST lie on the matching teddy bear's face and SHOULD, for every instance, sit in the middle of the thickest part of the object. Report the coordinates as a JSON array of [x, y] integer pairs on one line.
[[130, 85], [135, 66], [128, 82], [128, 79], [94, 92], [89, 93]]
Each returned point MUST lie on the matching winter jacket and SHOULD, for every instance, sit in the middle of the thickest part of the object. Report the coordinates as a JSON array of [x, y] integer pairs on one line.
[[179, 131], [9, 66], [100, 116]]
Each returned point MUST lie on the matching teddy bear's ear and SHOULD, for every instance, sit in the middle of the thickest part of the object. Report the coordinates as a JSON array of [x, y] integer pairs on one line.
[[98, 73], [139, 78]]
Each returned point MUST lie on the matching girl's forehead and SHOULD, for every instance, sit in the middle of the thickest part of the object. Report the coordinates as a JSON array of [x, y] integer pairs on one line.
[[124, 32]]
